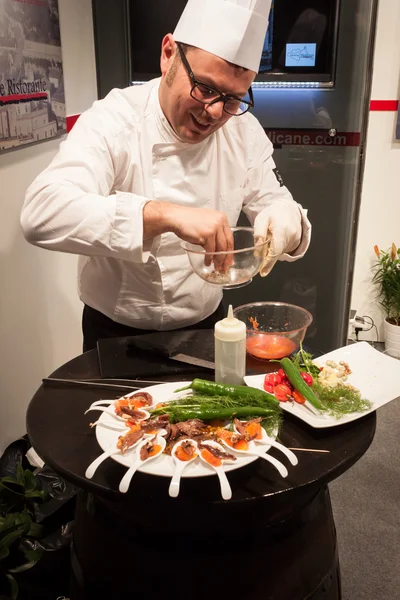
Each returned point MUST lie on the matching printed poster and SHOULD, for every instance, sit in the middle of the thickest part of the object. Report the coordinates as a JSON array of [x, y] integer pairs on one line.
[[32, 101]]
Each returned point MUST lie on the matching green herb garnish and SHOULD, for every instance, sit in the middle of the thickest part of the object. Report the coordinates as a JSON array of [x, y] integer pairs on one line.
[[303, 361], [340, 400]]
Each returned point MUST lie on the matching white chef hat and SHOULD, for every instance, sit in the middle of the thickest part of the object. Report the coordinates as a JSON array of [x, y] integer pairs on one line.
[[231, 29]]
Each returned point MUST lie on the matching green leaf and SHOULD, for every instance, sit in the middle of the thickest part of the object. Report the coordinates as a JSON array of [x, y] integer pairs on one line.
[[23, 518], [12, 534], [10, 484], [20, 474], [4, 552], [29, 481], [13, 587], [35, 530]]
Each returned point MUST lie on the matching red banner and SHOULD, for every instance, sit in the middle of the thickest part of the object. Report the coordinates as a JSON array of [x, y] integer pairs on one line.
[[15, 98]]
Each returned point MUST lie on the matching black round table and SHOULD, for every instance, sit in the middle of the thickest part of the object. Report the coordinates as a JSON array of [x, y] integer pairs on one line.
[[274, 540]]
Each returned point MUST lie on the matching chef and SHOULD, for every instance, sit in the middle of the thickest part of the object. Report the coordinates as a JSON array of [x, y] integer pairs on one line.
[[174, 159]]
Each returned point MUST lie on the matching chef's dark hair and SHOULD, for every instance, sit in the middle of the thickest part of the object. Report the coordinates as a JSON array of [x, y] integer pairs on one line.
[[187, 47]]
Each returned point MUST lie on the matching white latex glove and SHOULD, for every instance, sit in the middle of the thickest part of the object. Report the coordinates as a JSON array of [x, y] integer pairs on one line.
[[281, 225]]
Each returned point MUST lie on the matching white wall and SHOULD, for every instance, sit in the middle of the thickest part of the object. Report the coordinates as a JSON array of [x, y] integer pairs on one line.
[[380, 205], [39, 309]]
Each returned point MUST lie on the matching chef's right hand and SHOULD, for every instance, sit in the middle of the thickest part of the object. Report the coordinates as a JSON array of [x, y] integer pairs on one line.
[[208, 228]]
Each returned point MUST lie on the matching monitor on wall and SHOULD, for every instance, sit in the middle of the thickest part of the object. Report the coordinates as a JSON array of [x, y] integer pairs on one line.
[[300, 45]]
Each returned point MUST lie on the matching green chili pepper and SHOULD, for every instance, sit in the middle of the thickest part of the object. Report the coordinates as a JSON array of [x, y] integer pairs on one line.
[[299, 384], [210, 388], [178, 414]]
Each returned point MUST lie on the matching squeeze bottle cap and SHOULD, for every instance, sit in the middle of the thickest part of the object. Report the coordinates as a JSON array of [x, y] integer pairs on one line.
[[230, 329]]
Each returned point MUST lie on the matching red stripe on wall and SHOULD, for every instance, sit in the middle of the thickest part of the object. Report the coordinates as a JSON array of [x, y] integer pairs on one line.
[[71, 121], [384, 105]]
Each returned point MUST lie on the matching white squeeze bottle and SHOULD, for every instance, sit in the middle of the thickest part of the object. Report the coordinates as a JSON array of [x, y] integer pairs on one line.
[[230, 350]]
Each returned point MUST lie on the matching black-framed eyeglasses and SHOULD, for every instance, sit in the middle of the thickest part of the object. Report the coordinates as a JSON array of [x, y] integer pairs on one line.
[[206, 94]]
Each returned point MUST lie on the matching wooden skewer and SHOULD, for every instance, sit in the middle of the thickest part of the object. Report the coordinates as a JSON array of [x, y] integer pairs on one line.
[[309, 450], [83, 383]]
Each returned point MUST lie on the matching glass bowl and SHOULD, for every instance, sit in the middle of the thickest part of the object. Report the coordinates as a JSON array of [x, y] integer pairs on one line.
[[274, 329], [246, 260]]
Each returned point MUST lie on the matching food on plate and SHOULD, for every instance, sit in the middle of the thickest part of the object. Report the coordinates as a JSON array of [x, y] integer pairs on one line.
[[251, 430], [150, 449], [190, 428], [129, 439], [154, 425], [206, 413], [269, 346], [334, 374], [129, 407], [236, 441], [192, 423], [231, 392], [130, 414], [136, 401], [299, 383], [214, 456], [325, 387], [186, 451]]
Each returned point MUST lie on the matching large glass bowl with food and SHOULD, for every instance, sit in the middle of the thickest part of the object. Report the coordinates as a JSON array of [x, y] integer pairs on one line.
[[274, 329], [231, 269]]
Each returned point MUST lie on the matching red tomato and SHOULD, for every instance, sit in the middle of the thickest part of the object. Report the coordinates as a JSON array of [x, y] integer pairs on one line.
[[268, 387], [286, 381], [307, 378], [273, 378], [268, 346], [282, 392], [282, 373], [298, 397]]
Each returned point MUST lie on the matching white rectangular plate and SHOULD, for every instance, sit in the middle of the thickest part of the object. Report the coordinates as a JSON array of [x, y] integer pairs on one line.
[[376, 375]]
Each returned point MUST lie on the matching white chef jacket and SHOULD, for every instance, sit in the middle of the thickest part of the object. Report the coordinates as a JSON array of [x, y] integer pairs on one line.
[[121, 154]]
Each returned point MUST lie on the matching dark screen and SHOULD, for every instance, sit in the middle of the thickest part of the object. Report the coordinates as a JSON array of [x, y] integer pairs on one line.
[[151, 20], [300, 41]]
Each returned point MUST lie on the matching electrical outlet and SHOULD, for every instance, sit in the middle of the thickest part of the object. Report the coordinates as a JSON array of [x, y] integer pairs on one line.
[[360, 323]]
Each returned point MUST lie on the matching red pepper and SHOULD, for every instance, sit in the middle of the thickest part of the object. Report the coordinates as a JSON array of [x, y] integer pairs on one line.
[[307, 377], [298, 397], [273, 379], [268, 387], [282, 392]]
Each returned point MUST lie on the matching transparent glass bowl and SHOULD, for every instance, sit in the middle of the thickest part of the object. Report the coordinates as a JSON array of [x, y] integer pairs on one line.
[[274, 329], [246, 260]]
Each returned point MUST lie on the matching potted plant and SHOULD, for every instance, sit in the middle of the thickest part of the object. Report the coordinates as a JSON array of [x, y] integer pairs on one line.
[[387, 281], [18, 529]]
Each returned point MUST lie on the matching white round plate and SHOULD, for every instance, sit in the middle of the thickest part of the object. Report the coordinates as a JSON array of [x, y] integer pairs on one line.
[[164, 465]]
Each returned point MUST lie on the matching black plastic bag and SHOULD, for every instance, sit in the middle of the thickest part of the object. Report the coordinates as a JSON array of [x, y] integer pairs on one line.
[[49, 578]]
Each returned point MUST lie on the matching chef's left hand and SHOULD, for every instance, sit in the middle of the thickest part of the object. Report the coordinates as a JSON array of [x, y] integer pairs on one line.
[[281, 225]]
